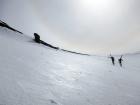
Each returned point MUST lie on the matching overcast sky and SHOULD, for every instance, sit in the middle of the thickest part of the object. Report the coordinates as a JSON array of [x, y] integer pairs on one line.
[[88, 26]]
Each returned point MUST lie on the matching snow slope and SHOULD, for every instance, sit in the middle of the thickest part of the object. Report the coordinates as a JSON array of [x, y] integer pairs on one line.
[[32, 74]]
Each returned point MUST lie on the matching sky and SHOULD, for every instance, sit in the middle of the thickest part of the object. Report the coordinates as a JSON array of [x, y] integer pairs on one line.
[[86, 26]]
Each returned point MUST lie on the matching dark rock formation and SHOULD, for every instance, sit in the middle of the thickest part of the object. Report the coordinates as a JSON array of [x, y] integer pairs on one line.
[[3, 24]]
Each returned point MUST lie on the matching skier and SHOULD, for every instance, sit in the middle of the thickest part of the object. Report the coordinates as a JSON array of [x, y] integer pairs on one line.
[[120, 61], [112, 59], [37, 38]]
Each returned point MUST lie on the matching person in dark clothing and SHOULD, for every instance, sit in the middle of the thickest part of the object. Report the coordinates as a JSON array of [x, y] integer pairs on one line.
[[112, 59], [37, 38], [120, 61]]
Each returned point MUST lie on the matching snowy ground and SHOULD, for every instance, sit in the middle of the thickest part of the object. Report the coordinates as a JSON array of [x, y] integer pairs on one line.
[[32, 74]]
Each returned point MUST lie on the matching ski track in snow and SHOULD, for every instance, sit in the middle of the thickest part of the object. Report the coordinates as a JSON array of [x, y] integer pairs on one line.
[[32, 74]]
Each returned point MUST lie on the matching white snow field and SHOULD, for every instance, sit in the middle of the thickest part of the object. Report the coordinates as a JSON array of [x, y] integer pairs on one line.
[[33, 74]]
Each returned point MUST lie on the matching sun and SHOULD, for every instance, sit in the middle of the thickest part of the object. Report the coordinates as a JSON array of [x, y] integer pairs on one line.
[[100, 7], [97, 3]]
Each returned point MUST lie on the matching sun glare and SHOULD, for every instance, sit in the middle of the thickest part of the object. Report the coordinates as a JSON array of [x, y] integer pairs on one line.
[[100, 7]]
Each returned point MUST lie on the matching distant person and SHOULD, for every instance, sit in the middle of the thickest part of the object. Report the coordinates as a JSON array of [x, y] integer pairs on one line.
[[120, 61], [112, 59], [37, 38]]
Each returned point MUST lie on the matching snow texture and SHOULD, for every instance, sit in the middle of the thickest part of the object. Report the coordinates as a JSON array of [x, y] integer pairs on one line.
[[33, 74]]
